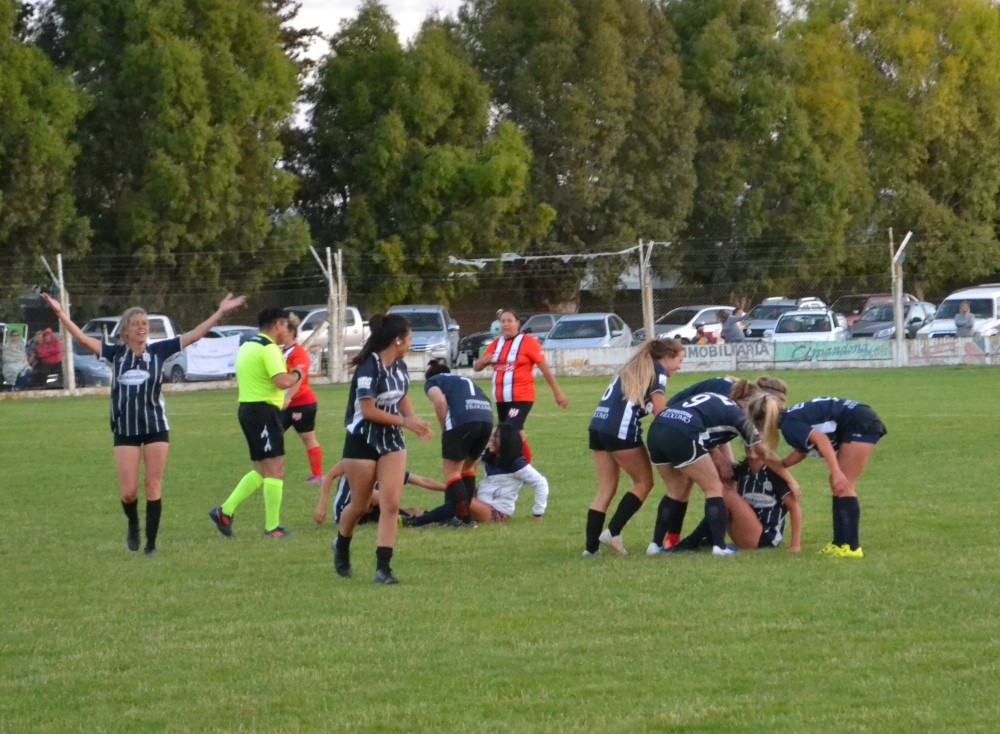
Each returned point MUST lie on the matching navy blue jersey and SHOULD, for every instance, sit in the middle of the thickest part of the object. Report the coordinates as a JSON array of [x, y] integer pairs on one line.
[[343, 498], [386, 386], [765, 492], [467, 403], [713, 418], [137, 405], [616, 416], [718, 385], [819, 414]]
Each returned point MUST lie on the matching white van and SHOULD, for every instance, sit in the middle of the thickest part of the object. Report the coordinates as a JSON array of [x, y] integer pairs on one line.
[[984, 304]]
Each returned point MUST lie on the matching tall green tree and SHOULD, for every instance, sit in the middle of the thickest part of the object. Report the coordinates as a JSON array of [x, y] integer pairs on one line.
[[179, 168], [401, 166], [38, 110], [595, 86]]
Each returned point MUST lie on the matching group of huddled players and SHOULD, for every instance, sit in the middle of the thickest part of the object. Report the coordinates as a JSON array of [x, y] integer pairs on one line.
[[689, 444]]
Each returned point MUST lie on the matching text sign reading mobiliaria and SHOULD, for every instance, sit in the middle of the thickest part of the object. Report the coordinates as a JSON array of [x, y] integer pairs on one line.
[[848, 351], [743, 351]]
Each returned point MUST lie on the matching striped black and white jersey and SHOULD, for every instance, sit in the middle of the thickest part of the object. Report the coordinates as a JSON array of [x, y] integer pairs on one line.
[[616, 416], [467, 403], [765, 492], [386, 385], [713, 419], [718, 385], [137, 405], [820, 414], [343, 499]]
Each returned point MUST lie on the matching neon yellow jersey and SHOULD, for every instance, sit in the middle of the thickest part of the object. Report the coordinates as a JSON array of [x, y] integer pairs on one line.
[[258, 360]]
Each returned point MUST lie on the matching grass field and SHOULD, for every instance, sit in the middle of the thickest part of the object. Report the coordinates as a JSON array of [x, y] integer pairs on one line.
[[499, 629]]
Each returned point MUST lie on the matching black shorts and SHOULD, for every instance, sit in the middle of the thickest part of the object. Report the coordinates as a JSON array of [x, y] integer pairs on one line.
[[355, 447], [603, 442], [302, 418], [861, 425], [516, 413], [671, 445], [466, 441], [261, 424], [144, 438]]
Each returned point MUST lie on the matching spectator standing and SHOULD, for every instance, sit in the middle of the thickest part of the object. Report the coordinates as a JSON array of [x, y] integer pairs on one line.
[[965, 320], [732, 329]]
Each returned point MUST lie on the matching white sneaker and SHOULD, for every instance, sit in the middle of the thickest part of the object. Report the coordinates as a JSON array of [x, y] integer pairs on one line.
[[614, 542], [595, 554], [653, 549], [727, 551]]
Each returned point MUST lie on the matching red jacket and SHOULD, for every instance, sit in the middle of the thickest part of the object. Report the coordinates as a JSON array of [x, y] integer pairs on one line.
[[49, 352]]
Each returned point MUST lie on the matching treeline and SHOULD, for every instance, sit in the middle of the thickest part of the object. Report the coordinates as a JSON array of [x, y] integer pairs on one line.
[[156, 143]]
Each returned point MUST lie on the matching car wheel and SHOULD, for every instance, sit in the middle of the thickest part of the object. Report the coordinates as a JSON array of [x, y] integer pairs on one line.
[[177, 375], [80, 381]]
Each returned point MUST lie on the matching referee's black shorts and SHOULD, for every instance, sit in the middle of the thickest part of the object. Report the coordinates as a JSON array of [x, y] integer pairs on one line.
[[466, 441], [262, 426]]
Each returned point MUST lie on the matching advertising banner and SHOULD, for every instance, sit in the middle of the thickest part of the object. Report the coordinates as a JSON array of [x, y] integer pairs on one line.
[[213, 356], [860, 350]]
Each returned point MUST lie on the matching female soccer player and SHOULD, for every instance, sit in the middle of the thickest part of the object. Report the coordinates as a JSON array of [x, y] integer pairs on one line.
[[843, 432], [616, 438], [343, 496], [138, 416], [301, 405], [514, 357], [374, 449]]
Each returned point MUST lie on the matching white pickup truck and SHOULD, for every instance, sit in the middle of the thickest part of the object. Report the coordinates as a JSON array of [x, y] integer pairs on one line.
[[313, 327]]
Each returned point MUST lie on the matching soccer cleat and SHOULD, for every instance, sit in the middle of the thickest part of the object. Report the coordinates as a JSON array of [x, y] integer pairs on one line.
[[845, 551], [341, 561], [458, 524], [595, 554], [132, 539], [384, 577], [614, 542], [654, 550], [278, 532], [222, 521], [315, 479], [829, 550], [727, 551]]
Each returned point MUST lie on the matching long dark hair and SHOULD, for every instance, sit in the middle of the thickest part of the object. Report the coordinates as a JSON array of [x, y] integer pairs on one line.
[[386, 328], [510, 447]]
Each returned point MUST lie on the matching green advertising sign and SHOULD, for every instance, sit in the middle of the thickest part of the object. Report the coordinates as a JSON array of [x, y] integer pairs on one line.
[[846, 351]]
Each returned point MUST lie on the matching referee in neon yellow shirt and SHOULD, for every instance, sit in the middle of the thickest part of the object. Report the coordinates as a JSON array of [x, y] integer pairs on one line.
[[262, 376]]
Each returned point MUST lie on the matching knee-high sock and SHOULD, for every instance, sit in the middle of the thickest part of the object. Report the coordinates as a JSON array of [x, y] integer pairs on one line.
[[850, 510], [527, 451], [250, 483], [669, 519], [715, 513], [456, 493], [595, 524], [272, 503], [316, 460], [438, 514], [469, 478], [698, 537], [153, 509], [131, 510], [383, 554], [629, 505], [838, 522]]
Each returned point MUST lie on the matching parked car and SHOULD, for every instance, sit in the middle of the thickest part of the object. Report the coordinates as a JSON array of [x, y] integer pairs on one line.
[[984, 304], [102, 327], [89, 370], [175, 368], [879, 322], [853, 306], [311, 318], [681, 322], [764, 316], [813, 325], [589, 331], [160, 328], [470, 346], [540, 324], [433, 331], [245, 333]]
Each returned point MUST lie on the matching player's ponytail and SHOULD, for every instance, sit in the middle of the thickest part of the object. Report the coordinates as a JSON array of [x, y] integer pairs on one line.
[[764, 409], [637, 373], [385, 329]]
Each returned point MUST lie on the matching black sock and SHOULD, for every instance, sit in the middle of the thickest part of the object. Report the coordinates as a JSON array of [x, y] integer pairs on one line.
[[676, 523], [344, 544], [595, 524], [669, 519], [838, 522], [456, 493], [470, 485], [383, 554], [698, 537], [851, 511], [715, 514], [439, 514], [629, 505], [153, 510], [132, 513]]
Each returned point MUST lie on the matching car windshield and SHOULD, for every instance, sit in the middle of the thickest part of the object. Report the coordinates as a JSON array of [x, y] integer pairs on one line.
[[849, 304], [312, 322], [876, 314], [536, 324], [582, 329], [425, 321], [769, 312], [80, 350], [982, 308], [678, 316], [803, 323]]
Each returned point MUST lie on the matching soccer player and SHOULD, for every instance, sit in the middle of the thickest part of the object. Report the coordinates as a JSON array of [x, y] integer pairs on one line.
[[843, 433], [262, 375], [616, 438], [301, 405], [138, 414], [466, 418], [343, 496], [378, 408], [514, 357]]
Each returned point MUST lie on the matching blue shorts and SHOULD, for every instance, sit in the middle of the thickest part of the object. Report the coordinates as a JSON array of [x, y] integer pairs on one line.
[[669, 444]]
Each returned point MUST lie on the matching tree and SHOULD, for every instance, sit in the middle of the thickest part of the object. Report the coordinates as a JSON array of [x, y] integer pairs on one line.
[[401, 166], [595, 86], [179, 170], [38, 110]]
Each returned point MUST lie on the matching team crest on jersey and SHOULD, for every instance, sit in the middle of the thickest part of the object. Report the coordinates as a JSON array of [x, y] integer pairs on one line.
[[389, 397], [513, 412], [133, 377], [364, 383]]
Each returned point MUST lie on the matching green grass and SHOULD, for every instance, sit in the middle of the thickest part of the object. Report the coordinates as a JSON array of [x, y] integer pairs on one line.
[[500, 629]]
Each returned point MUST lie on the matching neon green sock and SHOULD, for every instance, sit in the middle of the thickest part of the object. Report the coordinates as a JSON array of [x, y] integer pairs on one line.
[[249, 484], [272, 503]]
